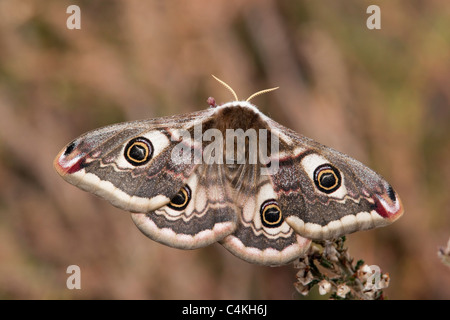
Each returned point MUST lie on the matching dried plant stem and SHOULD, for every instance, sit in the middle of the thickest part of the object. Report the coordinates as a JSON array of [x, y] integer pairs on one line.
[[329, 266]]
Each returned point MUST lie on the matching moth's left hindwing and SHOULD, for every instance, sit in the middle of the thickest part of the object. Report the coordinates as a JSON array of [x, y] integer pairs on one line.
[[201, 213]]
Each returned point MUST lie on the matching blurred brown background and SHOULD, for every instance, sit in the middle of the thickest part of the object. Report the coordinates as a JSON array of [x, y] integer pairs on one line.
[[381, 96]]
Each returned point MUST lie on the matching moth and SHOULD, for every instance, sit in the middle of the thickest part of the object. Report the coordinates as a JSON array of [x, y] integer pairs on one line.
[[188, 184]]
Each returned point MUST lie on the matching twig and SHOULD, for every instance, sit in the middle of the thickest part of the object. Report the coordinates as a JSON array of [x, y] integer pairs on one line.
[[329, 266]]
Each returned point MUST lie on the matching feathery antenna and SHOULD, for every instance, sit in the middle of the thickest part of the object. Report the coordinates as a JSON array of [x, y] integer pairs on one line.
[[260, 92], [234, 93], [227, 86]]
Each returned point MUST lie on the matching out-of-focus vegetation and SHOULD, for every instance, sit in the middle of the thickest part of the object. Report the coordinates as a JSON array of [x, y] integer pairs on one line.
[[381, 96]]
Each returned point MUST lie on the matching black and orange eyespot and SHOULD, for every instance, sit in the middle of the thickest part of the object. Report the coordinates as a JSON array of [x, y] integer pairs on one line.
[[271, 214], [138, 151], [327, 178], [182, 199]]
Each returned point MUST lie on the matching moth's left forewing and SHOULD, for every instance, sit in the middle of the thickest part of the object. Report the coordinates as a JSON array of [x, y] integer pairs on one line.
[[325, 194], [130, 164]]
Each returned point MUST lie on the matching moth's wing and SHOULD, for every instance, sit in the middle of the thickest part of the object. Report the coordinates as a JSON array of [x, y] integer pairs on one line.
[[361, 199], [261, 236], [202, 213], [100, 161], [214, 206]]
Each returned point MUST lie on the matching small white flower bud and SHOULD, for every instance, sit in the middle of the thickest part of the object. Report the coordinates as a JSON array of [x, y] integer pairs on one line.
[[384, 281], [364, 273], [303, 290], [330, 252], [342, 290], [324, 287]]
